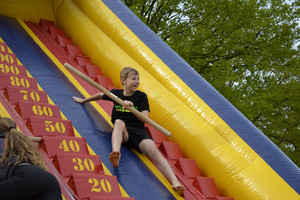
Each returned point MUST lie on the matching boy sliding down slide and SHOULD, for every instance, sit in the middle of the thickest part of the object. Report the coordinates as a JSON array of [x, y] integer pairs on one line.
[[128, 129]]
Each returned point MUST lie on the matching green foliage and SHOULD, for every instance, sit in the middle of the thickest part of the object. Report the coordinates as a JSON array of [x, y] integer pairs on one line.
[[247, 49]]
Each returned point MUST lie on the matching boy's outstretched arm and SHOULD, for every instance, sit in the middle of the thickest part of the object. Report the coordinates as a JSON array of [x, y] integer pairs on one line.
[[94, 97]]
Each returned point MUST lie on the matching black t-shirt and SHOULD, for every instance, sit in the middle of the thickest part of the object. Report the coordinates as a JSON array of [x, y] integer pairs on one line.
[[140, 102]]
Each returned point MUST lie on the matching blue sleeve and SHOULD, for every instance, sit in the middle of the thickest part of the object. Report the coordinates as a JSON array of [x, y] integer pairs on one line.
[[1, 146]]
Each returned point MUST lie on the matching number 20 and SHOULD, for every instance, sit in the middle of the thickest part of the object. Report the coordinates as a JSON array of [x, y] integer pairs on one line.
[[104, 185]]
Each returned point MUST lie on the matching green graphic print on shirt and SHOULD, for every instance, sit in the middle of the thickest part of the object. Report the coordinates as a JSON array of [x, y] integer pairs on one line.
[[120, 108]]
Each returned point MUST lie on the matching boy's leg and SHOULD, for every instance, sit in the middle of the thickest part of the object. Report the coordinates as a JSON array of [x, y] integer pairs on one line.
[[148, 147], [119, 135]]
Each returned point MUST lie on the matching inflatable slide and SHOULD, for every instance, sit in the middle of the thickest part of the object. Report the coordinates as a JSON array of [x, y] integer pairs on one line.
[[227, 156]]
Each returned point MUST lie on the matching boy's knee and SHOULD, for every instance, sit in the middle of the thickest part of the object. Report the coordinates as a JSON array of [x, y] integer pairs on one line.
[[154, 153], [119, 123]]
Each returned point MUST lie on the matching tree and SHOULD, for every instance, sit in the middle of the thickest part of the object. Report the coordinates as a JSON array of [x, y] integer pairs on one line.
[[247, 49]]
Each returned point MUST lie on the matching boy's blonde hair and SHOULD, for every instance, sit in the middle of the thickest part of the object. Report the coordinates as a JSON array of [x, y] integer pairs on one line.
[[125, 72]]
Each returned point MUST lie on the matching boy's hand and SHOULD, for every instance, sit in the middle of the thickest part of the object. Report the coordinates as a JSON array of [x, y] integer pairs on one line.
[[127, 104], [78, 100]]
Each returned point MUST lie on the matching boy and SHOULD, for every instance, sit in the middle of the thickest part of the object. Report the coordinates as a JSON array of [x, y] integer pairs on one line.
[[130, 130]]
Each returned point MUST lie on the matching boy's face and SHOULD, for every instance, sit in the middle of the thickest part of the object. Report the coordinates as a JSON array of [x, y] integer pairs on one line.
[[132, 82]]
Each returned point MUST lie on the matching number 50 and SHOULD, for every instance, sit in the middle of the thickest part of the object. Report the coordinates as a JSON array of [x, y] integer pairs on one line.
[[55, 126]]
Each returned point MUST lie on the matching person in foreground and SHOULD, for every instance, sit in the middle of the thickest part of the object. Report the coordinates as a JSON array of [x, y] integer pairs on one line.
[[128, 129], [28, 177]]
